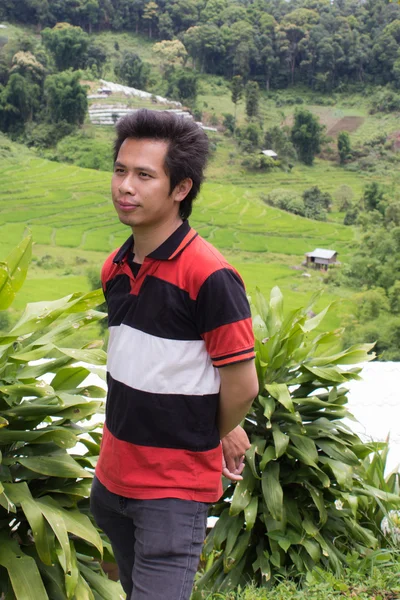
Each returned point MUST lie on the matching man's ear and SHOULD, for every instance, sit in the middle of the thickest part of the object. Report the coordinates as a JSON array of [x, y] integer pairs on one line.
[[182, 189]]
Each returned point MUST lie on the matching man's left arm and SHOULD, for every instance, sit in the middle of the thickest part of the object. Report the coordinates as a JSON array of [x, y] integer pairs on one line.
[[239, 387]]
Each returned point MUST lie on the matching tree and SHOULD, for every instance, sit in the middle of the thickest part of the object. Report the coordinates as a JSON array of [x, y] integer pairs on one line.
[[373, 198], [150, 14], [236, 91], [316, 203], [344, 147], [170, 53], [306, 135], [19, 101], [68, 45], [344, 196], [65, 98], [278, 139], [132, 71], [252, 94], [183, 85]]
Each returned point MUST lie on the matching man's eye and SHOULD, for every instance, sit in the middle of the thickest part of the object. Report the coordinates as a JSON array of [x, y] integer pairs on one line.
[[118, 170]]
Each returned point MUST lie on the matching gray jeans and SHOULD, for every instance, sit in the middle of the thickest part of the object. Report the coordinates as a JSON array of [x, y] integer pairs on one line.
[[156, 543]]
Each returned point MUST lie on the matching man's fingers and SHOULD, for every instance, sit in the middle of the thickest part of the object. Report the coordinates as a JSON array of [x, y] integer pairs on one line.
[[232, 476]]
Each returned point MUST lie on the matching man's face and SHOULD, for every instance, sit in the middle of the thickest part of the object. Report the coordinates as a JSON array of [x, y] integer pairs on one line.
[[140, 186]]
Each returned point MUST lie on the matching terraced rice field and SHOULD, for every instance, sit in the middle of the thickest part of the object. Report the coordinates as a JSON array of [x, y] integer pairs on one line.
[[71, 217]]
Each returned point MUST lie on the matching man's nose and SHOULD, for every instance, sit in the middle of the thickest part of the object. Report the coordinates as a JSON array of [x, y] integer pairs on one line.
[[127, 185]]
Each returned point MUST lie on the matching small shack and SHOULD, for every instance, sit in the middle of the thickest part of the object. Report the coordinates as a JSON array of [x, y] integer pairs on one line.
[[321, 258], [269, 153]]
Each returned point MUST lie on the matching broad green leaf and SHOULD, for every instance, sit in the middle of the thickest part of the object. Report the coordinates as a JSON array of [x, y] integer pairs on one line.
[[257, 447], [311, 324], [268, 405], [3, 422], [72, 576], [83, 591], [13, 272], [221, 528], [250, 513], [268, 455], [262, 563], [107, 589], [280, 392], [240, 547], [63, 437], [68, 378], [93, 357], [20, 494], [281, 441], [313, 549], [318, 499], [272, 490], [57, 466], [305, 445], [337, 451], [22, 570], [54, 517], [342, 472], [235, 527], [243, 491]]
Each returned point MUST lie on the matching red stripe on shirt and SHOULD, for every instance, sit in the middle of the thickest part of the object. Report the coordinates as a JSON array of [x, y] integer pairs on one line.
[[150, 473]]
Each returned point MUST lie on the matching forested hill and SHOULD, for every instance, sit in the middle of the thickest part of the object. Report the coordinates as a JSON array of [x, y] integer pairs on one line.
[[324, 44]]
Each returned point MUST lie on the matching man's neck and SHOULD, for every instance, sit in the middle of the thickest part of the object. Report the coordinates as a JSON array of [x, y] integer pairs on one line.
[[146, 240]]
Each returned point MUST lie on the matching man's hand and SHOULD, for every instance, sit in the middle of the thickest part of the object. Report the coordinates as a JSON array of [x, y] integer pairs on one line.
[[234, 446]]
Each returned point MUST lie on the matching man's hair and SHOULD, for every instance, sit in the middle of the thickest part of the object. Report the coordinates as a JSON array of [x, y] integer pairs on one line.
[[187, 146]]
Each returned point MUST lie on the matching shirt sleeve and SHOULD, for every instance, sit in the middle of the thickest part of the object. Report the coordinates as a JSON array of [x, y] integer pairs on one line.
[[224, 319]]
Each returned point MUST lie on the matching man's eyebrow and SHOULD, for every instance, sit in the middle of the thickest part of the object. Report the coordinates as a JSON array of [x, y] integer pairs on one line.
[[138, 168]]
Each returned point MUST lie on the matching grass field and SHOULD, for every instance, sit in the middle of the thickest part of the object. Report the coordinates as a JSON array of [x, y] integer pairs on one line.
[[69, 212]]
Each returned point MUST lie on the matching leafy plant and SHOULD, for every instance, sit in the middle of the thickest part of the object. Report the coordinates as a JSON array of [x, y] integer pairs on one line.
[[305, 499], [49, 547]]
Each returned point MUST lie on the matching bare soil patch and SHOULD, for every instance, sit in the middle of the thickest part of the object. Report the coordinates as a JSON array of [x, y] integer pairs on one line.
[[349, 124]]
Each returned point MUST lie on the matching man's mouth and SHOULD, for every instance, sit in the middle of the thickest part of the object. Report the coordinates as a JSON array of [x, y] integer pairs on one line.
[[127, 206]]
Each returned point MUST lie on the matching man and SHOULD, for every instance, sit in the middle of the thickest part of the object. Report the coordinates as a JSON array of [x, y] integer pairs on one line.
[[180, 368]]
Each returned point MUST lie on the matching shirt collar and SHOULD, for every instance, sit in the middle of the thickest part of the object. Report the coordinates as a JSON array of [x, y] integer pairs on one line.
[[168, 250]]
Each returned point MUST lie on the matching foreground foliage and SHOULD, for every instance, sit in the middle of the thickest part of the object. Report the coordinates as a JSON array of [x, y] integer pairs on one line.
[[49, 548], [310, 496]]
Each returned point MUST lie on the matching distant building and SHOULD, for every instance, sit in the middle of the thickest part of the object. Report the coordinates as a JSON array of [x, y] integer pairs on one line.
[[321, 258], [269, 153]]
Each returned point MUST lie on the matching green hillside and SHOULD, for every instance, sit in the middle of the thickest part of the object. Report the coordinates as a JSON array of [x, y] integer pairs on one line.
[[69, 211]]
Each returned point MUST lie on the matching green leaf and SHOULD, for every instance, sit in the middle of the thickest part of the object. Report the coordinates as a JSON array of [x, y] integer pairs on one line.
[[262, 563], [318, 499], [257, 447], [54, 517], [57, 466], [13, 272], [268, 455], [3, 422], [281, 441], [243, 491], [93, 357], [306, 446], [342, 472], [20, 494], [107, 589], [311, 324], [338, 451], [62, 437], [281, 393], [235, 527], [250, 513], [68, 378], [272, 490], [22, 570]]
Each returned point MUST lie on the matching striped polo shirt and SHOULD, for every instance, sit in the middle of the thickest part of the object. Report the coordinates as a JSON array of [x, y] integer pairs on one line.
[[177, 321]]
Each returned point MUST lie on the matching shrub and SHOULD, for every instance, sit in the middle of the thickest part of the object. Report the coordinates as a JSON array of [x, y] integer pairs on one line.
[[285, 200], [306, 498], [49, 547]]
